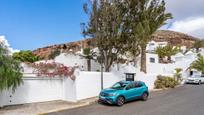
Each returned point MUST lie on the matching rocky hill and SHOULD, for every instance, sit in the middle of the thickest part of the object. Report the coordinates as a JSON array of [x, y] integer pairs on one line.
[[66, 47], [174, 38]]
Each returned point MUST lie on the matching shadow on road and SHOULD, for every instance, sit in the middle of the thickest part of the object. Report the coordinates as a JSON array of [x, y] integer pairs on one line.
[[128, 102]]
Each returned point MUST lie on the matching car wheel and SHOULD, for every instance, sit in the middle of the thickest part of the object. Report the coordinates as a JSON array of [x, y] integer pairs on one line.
[[199, 83], [144, 96], [99, 102], [120, 101]]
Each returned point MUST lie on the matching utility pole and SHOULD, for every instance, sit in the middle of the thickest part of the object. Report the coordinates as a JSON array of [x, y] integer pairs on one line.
[[101, 72], [101, 76]]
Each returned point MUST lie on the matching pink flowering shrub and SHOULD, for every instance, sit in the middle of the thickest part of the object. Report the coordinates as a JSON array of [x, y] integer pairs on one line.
[[53, 69]]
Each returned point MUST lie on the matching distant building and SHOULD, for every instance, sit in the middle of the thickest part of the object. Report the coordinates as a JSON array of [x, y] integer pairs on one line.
[[152, 45], [73, 59]]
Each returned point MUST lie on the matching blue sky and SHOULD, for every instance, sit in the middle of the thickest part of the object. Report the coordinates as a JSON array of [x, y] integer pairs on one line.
[[30, 24]]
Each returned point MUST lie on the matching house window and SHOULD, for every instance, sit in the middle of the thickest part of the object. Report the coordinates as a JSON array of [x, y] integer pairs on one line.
[[152, 60], [130, 76], [151, 44]]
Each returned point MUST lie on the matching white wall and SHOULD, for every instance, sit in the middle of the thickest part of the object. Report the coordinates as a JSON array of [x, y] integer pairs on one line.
[[76, 60], [149, 55], [147, 78], [69, 90], [152, 45], [34, 89], [158, 68], [88, 84], [70, 59]]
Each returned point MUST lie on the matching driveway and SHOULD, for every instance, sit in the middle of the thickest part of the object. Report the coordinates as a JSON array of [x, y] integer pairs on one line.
[[185, 100]]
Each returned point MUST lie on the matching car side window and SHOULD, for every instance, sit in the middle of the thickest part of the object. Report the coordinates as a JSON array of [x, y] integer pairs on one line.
[[137, 85], [130, 86]]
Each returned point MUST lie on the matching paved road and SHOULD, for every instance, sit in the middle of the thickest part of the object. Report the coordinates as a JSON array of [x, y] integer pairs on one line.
[[185, 100]]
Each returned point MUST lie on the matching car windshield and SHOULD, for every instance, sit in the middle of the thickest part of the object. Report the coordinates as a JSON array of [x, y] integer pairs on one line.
[[119, 85]]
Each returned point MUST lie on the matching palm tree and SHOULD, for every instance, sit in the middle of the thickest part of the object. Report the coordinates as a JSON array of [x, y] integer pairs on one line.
[[161, 53], [89, 55], [166, 51], [177, 74], [198, 44], [10, 70], [198, 64], [170, 50], [153, 15]]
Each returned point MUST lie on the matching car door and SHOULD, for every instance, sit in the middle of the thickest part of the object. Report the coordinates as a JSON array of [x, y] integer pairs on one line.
[[202, 78], [129, 92], [139, 89]]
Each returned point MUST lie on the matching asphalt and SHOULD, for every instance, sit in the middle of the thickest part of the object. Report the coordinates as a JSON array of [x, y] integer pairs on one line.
[[184, 100]]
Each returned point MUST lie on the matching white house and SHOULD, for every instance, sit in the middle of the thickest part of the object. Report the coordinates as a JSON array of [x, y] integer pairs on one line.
[[152, 45], [72, 59], [183, 49], [190, 55], [178, 57]]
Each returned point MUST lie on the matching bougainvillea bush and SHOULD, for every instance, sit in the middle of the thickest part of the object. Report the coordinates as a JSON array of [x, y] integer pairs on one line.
[[53, 69]]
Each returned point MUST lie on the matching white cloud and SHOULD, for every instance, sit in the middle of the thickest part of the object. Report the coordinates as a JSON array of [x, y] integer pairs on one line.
[[188, 17], [5, 42], [193, 26], [182, 9]]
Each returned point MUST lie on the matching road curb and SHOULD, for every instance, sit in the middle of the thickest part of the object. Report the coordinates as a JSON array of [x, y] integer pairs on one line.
[[67, 108]]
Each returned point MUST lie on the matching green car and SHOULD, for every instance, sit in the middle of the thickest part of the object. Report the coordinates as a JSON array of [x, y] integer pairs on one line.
[[124, 91]]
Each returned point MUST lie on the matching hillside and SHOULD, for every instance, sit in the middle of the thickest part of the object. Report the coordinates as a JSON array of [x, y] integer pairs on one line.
[[174, 38]]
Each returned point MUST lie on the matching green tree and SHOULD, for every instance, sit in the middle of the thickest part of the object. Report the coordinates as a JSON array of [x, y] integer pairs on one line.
[[198, 64], [198, 44], [170, 50], [166, 51], [161, 53], [89, 55], [124, 25], [147, 17], [10, 70], [178, 74], [25, 56], [104, 24]]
